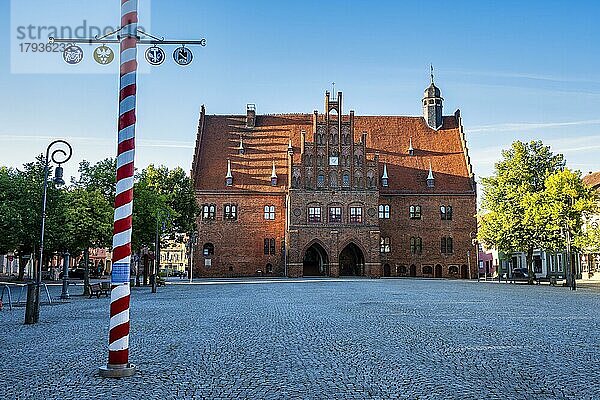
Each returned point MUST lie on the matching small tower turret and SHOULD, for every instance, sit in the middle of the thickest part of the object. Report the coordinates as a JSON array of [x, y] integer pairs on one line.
[[432, 105], [273, 175], [229, 176], [384, 177], [430, 178]]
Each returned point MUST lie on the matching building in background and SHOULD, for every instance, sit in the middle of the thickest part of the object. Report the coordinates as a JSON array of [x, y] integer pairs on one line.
[[335, 194], [174, 256]]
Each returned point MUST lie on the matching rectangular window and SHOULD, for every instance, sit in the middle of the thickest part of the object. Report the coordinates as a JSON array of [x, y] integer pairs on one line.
[[356, 215], [314, 214], [385, 245], [446, 213], [266, 247], [335, 214], [446, 245], [272, 246], [270, 213], [208, 212], [384, 211], [415, 212], [416, 245], [230, 212]]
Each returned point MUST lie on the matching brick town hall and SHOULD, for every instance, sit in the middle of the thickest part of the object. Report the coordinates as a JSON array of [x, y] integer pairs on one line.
[[335, 194]]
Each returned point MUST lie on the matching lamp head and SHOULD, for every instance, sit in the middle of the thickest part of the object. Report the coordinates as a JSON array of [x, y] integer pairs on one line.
[[58, 176]]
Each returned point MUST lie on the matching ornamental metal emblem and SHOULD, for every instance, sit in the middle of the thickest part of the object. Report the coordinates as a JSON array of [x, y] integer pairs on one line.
[[104, 55], [155, 55], [183, 56], [73, 54]]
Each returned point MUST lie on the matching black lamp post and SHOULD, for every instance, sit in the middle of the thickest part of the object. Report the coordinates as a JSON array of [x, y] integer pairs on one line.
[[160, 220], [58, 156]]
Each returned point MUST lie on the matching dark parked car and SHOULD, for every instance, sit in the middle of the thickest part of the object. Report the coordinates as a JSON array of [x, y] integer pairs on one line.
[[520, 273], [76, 273]]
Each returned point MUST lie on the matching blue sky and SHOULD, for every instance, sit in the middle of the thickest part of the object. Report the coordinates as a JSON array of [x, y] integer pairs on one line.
[[517, 70]]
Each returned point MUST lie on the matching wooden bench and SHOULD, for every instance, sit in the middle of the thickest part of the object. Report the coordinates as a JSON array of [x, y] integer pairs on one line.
[[96, 289]]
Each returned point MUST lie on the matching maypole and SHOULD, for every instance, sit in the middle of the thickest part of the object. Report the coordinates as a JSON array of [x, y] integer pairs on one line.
[[118, 341], [128, 37]]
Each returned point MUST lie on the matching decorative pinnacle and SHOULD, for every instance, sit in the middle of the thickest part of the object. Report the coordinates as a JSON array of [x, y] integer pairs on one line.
[[241, 146], [431, 68], [229, 175], [273, 174], [410, 146], [385, 173], [430, 176]]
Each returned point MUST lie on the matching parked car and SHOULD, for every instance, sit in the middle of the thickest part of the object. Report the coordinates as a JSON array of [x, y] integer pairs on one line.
[[76, 273], [520, 273]]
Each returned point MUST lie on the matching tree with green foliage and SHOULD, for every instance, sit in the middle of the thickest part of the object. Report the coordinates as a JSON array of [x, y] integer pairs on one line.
[[21, 210], [521, 174], [561, 208], [90, 217]]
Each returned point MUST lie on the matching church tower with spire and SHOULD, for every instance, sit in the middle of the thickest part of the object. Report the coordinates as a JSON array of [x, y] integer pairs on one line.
[[432, 105]]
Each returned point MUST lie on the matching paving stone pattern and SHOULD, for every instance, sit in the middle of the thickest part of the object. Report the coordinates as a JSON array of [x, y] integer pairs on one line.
[[322, 339]]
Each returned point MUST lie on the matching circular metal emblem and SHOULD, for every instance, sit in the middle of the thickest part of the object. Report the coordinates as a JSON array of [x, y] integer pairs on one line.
[[73, 54], [104, 55], [183, 56], [297, 212], [371, 212], [155, 55]]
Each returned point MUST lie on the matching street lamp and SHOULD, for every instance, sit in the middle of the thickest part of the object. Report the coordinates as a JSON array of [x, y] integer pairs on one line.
[[192, 242], [58, 156], [161, 216]]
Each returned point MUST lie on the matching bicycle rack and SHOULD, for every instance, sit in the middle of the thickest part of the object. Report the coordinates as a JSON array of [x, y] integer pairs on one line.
[[5, 287], [23, 287]]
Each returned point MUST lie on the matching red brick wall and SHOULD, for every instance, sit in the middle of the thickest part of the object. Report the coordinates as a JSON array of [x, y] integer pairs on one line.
[[431, 228], [239, 245]]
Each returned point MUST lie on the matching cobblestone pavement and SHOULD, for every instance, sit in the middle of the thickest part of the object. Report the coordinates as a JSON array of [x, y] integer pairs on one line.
[[321, 339]]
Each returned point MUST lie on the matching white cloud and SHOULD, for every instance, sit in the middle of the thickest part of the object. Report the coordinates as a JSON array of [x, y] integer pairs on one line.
[[528, 126]]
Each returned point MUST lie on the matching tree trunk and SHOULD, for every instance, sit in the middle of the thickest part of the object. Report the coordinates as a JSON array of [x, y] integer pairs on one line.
[[86, 272], [21, 266], [530, 264]]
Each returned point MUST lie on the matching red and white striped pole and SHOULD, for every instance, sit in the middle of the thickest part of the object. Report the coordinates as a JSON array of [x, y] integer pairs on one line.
[[118, 348]]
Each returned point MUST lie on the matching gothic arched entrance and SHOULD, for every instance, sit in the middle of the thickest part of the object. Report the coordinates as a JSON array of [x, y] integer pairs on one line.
[[352, 261], [315, 261]]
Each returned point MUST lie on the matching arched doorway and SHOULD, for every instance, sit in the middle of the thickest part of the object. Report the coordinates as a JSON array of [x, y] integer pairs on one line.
[[438, 271], [352, 261], [413, 270], [315, 261], [387, 270]]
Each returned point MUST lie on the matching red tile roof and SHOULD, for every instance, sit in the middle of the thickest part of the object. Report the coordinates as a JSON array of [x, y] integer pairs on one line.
[[592, 180], [388, 136]]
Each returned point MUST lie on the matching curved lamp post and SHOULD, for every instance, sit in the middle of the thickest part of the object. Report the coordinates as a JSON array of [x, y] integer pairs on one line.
[[58, 156]]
